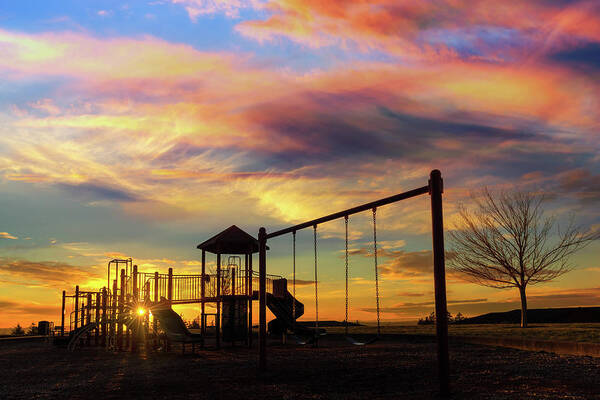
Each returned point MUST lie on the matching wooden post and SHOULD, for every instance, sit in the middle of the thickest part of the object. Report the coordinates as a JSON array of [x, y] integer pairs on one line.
[[113, 319], [133, 334], [154, 320], [147, 318], [233, 282], [103, 337], [250, 299], [262, 299], [218, 317], [88, 317], [439, 273], [120, 312], [76, 306], [170, 285], [203, 295], [136, 294], [62, 315], [97, 320], [246, 274], [125, 326]]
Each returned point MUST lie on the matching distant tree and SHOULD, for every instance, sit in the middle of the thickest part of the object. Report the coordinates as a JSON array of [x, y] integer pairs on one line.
[[459, 317], [32, 330], [18, 331], [194, 324], [430, 319], [507, 241]]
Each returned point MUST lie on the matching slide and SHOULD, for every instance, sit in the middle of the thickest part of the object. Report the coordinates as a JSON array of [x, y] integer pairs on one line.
[[174, 326], [76, 334], [282, 308]]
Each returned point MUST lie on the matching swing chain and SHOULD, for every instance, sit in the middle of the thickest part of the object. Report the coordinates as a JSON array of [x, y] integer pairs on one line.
[[376, 268], [346, 320]]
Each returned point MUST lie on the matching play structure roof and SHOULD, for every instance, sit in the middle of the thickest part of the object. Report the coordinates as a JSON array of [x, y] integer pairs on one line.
[[232, 240]]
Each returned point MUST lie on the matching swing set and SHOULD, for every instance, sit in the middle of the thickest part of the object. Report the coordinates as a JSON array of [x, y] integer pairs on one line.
[[316, 331], [434, 188]]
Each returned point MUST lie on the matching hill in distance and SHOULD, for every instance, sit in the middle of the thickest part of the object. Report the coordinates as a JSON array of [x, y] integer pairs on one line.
[[540, 315]]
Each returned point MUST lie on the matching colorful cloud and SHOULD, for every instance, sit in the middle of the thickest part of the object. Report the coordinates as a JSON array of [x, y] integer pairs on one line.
[[266, 113]]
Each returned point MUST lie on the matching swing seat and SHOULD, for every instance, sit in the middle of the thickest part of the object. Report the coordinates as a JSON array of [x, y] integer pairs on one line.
[[302, 341], [309, 337], [359, 343]]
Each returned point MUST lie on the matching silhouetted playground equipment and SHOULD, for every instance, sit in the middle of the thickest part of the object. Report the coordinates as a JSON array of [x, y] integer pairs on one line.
[[139, 304], [136, 307], [434, 188]]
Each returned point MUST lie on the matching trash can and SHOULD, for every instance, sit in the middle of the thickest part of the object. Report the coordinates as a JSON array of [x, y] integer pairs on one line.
[[44, 328]]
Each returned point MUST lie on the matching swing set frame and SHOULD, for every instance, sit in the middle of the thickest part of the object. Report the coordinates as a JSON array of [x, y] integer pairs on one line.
[[435, 189]]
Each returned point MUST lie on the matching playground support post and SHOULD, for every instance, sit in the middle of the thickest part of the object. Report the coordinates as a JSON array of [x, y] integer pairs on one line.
[[250, 300], [88, 316], [246, 274], [62, 315], [132, 334], [113, 313], [120, 313], [170, 285], [203, 295], [439, 273], [136, 294], [76, 305], [97, 319], [218, 318], [233, 282], [154, 320], [126, 327], [103, 338], [262, 299]]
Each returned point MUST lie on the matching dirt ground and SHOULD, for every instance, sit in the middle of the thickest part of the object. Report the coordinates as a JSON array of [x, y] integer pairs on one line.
[[400, 368]]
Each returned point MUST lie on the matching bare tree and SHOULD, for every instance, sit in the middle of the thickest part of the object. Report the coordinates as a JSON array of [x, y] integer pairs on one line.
[[507, 241]]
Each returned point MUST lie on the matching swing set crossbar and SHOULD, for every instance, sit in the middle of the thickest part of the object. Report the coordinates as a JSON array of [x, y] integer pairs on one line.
[[350, 211]]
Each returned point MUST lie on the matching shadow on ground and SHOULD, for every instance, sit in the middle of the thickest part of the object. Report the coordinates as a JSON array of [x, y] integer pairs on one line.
[[400, 369]]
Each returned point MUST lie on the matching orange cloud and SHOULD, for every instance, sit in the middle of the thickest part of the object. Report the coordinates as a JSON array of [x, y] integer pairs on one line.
[[44, 273], [401, 27]]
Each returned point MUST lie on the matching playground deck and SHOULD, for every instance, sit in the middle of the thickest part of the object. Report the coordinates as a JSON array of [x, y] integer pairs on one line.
[[393, 368]]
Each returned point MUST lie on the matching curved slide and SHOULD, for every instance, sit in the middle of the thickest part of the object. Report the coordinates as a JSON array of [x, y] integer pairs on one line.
[[78, 333], [174, 326], [282, 308]]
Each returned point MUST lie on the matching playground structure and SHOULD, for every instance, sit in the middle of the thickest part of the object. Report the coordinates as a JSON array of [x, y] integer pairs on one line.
[[136, 308], [132, 310]]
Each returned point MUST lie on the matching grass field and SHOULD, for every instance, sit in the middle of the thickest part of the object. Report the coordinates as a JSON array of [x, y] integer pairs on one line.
[[589, 332]]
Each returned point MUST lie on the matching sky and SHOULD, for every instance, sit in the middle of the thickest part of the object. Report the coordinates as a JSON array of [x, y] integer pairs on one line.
[[140, 129]]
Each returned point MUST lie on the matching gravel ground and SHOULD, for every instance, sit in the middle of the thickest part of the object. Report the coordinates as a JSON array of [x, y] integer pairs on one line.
[[394, 368]]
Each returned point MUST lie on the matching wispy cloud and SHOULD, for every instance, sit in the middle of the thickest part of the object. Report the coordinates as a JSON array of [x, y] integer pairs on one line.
[[45, 273]]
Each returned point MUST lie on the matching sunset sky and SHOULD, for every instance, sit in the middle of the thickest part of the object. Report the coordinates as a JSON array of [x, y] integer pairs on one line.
[[140, 129]]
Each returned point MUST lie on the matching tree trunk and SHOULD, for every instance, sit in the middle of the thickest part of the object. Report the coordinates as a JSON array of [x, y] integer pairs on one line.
[[523, 307]]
